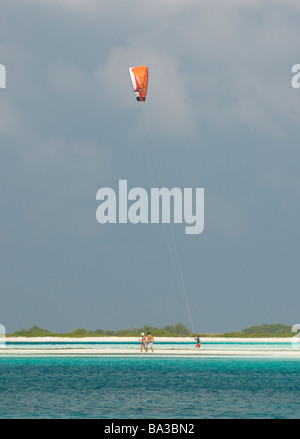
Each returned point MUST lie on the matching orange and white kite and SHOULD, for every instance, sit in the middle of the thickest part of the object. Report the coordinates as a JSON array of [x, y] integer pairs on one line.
[[139, 80]]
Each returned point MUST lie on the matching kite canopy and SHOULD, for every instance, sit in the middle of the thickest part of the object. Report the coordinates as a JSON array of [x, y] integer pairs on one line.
[[139, 80]]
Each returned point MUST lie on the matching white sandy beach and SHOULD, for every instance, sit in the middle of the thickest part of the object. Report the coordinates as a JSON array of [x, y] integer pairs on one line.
[[286, 350]]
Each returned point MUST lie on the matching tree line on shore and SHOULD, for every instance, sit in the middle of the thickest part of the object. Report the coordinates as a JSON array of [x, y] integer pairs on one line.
[[178, 330]]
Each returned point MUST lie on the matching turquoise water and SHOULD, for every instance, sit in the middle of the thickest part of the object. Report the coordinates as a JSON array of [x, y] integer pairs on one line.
[[149, 387], [135, 345]]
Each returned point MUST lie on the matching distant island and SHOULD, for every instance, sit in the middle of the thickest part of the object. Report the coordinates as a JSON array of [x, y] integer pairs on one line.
[[178, 330]]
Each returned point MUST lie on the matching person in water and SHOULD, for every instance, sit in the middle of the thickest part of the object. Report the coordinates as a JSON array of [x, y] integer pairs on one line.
[[198, 341], [143, 341], [149, 342]]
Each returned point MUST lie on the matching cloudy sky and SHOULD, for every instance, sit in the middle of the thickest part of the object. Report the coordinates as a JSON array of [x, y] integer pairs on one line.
[[221, 114]]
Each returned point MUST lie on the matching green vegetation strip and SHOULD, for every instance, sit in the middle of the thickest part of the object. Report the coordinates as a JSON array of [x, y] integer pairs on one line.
[[178, 330]]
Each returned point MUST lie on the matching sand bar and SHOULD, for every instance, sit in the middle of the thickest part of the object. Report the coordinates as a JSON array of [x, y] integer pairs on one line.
[[73, 347]]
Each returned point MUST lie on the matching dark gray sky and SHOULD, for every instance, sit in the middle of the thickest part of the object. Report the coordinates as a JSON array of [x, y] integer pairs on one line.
[[221, 114]]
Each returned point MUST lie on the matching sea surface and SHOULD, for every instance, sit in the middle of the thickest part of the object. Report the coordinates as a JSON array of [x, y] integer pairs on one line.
[[149, 387]]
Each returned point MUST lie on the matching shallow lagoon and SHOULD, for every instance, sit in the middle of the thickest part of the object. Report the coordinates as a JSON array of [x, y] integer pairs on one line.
[[147, 387]]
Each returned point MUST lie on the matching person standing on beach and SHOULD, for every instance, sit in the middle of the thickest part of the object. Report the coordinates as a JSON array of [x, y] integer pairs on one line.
[[143, 340], [198, 345], [150, 341]]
